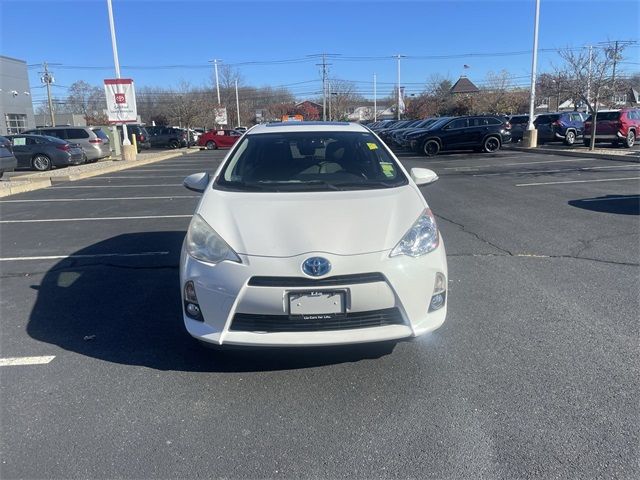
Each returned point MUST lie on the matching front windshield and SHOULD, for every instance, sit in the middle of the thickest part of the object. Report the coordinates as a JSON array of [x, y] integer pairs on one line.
[[302, 161]]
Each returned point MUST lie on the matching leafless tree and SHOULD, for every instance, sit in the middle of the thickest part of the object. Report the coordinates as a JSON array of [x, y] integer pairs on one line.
[[344, 97], [591, 78]]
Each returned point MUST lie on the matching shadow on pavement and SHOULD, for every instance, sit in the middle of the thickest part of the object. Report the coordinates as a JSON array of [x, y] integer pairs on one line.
[[127, 310], [620, 204]]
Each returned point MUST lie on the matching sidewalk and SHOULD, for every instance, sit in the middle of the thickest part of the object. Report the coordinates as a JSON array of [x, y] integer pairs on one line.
[[27, 180], [619, 154]]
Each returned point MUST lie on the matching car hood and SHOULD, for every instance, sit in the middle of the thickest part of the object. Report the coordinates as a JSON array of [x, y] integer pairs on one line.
[[292, 223]]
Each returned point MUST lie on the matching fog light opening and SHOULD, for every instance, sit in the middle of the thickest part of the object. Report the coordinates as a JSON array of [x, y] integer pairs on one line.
[[439, 296], [191, 306]]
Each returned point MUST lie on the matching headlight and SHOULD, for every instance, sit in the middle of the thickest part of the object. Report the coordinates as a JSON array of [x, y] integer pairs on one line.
[[203, 243], [421, 238]]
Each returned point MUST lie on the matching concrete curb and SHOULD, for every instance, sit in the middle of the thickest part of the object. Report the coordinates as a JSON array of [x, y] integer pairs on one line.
[[28, 183], [577, 153], [22, 187]]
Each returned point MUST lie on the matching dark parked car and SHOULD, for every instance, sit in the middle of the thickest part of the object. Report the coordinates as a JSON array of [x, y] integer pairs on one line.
[[7, 161], [617, 127], [400, 137], [484, 133], [141, 133], [561, 126], [93, 140], [519, 124], [42, 152], [171, 137]]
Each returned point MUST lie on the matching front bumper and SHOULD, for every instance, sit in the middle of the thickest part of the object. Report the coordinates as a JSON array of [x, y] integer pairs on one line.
[[224, 295], [617, 136]]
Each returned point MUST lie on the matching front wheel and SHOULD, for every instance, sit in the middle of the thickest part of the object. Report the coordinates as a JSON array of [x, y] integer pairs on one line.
[[431, 148], [570, 138], [211, 145], [41, 163], [630, 140], [491, 145], [174, 144]]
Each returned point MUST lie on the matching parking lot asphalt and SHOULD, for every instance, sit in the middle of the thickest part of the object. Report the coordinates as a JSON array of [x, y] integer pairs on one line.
[[535, 373]]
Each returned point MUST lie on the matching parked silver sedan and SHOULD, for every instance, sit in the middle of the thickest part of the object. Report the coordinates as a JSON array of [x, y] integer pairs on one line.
[[41, 152]]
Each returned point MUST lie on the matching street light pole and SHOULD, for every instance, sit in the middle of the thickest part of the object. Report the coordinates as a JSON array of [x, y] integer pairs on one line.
[[398, 57], [532, 137], [215, 68], [238, 103], [375, 100], [114, 47]]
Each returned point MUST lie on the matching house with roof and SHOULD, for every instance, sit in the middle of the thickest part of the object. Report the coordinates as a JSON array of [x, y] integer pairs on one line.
[[464, 86]]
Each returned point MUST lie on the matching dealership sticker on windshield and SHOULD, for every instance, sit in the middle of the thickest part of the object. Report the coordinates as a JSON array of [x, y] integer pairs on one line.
[[372, 146]]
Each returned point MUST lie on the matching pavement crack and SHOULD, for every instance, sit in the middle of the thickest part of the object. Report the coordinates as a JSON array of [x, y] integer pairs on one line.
[[533, 255], [476, 235]]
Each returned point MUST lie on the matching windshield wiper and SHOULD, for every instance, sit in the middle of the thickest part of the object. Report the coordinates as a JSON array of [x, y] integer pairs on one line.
[[298, 184], [379, 183]]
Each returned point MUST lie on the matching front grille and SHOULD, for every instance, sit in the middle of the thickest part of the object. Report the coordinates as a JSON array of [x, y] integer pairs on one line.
[[287, 282], [248, 322]]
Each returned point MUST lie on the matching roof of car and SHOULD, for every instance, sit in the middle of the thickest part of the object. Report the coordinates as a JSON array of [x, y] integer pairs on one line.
[[285, 127]]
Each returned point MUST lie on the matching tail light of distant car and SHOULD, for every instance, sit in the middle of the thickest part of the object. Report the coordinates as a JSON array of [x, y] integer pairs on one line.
[[507, 125], [65, 148], [95, 140]]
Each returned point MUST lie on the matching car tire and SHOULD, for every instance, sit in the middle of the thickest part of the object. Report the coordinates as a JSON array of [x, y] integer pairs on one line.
[[570, 138], [491, 145], [41, 163], [211, 145], [431, 148], [630, 140], [173, 144]]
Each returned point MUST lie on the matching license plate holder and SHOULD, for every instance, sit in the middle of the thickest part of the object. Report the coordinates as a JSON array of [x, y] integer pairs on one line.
[[317, 304]]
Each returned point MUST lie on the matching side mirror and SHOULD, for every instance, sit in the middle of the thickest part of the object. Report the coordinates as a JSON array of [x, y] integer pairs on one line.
[[423, 176], [197, 182]]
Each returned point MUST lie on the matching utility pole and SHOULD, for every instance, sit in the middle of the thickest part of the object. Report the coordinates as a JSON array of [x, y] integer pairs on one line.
[[375, 100], [238, 103], [47, 79], [398, 57], [325, 70], [531, 135], [324, 87], [114, 47]]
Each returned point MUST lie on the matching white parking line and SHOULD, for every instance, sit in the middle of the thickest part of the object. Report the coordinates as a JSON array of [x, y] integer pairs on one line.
[[122, 186], [94, 219], [136, 176], [524, 163], [16, 361], [171, 169], [630, 197], [95, 255], [582, 169], [46, 200], [577, 181]]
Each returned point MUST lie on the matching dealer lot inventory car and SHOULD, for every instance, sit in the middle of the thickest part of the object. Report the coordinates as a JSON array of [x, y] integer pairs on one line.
[[559, 127], [214, 139], [615, 126], [485, 133], [41, 152], [312, 233], [93, 140], [7, 161]]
